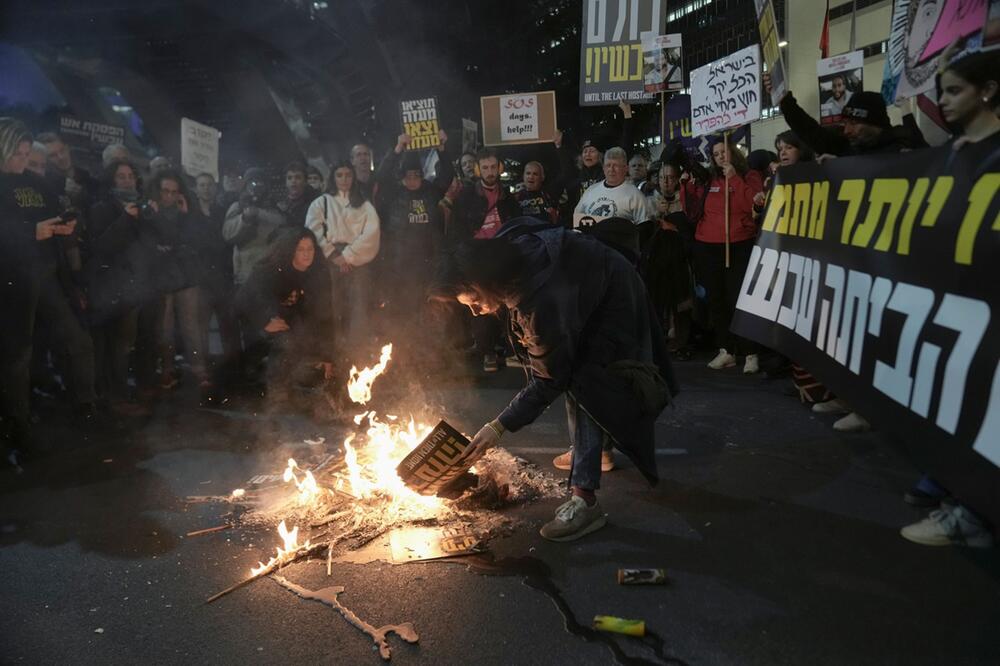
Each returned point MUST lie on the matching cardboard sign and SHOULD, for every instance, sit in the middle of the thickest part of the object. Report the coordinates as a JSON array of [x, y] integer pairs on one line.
[[520, 118], [412, 544], [768, 26], [199, 148], [435, 462], [662, 63], [420, 121], [611, 53], [839, 78], [726, 93]]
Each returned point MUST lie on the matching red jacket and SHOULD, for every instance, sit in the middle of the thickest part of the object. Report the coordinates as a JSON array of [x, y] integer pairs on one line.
[[711, 227]]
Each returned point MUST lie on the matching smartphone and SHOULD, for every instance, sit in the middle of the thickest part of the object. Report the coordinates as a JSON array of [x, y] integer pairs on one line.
[[67, 216]]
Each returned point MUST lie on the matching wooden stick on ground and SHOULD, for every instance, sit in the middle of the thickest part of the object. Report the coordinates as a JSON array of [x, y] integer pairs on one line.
[[266, 570], [209, 530]]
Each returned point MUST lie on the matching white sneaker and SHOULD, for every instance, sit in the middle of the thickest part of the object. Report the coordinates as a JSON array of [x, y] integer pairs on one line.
[[853, 422], [751, 366], [949, 525], [722, 360], [834, 406]]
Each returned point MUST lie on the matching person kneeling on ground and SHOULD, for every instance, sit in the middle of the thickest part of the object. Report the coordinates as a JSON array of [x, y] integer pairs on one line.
[[581, 312], [286, 306]]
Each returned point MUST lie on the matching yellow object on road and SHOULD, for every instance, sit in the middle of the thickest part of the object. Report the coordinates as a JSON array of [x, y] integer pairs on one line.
[[619, 625]]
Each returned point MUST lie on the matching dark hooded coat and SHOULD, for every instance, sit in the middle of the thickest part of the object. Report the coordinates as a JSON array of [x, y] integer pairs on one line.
[[583, 312]]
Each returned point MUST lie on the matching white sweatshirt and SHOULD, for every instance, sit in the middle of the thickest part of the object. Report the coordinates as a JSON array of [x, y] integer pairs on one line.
[[333, 221], [601, 202]]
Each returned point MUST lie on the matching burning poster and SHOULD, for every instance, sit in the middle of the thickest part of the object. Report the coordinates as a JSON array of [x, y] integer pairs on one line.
[[662, 63], [436, 462], [420, 121], [839, 77]]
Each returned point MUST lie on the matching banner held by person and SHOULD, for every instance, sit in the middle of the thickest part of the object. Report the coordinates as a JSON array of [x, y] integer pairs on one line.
[[879, 275], [611, 51], [663, 69], [839, 77], [199, 148], [420, 121], [772, 49], [519, 118], [726, 93]]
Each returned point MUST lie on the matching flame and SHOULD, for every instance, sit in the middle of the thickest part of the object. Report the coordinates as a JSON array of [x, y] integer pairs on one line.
[[308, 488], [359, 386], [290, 546], [238, 493]]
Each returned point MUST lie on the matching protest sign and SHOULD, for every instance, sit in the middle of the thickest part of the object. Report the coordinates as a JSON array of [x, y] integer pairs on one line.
[[726, 93], [89, 134], [772, 52], [420, 121], [677, 127], [662, 63], [470, 135], [839, 77], [611, 52], [199, 148], [519, 118], [879, 275]]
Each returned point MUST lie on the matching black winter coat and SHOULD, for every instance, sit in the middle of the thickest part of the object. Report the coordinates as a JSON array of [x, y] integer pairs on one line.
[[581, 308]]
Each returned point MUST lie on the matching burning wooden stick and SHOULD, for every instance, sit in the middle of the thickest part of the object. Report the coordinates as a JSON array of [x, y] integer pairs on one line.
[[270, 568], [328, 596]]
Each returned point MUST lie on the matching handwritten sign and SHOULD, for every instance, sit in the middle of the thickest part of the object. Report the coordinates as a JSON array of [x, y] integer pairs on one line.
[[199, 148], [726, 93], [420, 121], [611, 58], [519, 118]]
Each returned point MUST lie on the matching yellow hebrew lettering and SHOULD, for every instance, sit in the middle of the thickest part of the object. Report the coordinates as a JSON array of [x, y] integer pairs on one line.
[[774, 208], [800, 211], [980, 198], [851, 191], [916, 200], [935, 202], [817, 214], [786, 214], [889, 192]]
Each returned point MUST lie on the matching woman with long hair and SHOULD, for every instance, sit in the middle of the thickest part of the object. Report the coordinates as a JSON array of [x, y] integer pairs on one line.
[[346, 227], [732, 179]]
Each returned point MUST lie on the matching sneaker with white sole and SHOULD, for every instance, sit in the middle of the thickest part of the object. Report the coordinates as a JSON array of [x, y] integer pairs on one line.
[[573, 520], [951, 524], [853, 422], [751, 366], [834, 406], [722, 360], [565, 461]]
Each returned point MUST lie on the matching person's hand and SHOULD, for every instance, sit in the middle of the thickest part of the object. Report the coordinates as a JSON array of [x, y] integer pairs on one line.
[[276, 325], [327, 369], [442, 138], [557, 139], [825, 157], [402, 142], [182, 204], [155, 207], [485, 439], [769, 89], [625, 107], [686, 176], [759, 199], [45, 229], [729, 171], [64, 229], [132, 210]]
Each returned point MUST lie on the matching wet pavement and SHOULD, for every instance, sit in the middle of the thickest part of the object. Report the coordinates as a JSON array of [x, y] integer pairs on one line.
[[779, 537]]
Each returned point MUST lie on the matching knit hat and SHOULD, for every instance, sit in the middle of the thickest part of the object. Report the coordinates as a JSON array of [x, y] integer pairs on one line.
[[869, 108], [411, 162]]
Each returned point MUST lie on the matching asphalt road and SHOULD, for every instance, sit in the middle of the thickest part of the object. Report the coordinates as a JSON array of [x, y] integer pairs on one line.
[[779, 536]]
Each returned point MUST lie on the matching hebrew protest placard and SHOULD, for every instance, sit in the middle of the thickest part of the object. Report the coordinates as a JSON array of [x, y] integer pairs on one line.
[[420, 121], [199, 148], [726, 93]]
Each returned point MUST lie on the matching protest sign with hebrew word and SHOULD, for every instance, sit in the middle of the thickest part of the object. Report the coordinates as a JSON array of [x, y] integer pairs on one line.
[[420, 121], [772, 50], [611, 59], [880, 276], [199, 148], [726, 93]]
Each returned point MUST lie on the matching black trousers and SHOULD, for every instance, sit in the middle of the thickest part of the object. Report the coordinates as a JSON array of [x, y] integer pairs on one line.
[[722, 287]]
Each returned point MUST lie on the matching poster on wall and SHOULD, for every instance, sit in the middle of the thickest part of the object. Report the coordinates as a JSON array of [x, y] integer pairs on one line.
[[726, 93], [612, 63], [420, 121], [663, 69], [519, 118], [839, 77]]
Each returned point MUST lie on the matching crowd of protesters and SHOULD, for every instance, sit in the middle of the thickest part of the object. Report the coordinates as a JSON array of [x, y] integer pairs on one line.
[[108, 280]]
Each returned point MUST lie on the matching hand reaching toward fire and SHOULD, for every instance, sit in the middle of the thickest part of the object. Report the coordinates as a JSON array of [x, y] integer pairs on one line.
[[487, 438]]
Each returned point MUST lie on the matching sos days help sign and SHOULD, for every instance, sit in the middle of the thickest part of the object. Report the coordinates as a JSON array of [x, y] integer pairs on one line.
[[519, 118]]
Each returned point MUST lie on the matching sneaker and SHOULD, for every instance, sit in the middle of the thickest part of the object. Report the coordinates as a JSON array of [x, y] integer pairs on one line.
[[573, 520], [513, 361], [565, 461], [722, 360], [831, 407], [949, 525], [853, 422], [751, 366], [490, 363]]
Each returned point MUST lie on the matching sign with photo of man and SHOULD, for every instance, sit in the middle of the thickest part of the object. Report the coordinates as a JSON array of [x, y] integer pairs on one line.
[[839, 78], [662, 68]]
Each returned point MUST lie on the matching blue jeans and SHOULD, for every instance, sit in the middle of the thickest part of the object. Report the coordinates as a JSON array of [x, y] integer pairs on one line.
[[588, 441]]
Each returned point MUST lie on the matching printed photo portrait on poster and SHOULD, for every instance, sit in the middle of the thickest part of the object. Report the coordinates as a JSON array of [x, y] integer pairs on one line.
[[662, 69], [839, 77]]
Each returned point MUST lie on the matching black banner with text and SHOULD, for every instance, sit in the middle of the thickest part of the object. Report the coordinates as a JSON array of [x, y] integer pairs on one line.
[[881, 276]]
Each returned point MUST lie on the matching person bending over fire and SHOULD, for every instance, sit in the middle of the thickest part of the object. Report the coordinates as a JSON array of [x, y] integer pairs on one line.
[[581, 312]]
